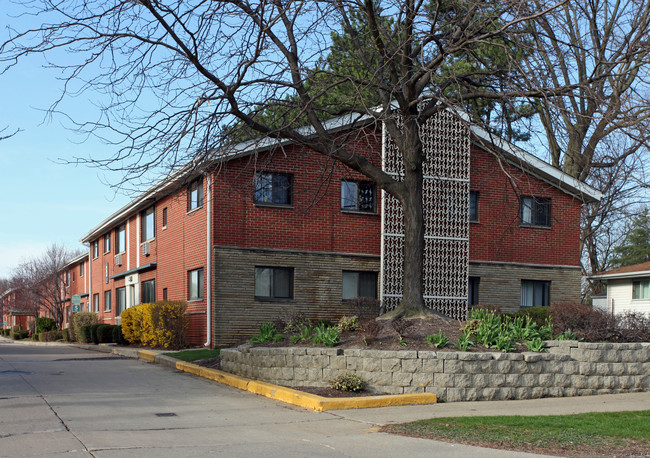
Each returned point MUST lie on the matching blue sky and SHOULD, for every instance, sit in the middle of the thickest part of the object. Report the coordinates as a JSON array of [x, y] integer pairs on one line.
[[44, 201]]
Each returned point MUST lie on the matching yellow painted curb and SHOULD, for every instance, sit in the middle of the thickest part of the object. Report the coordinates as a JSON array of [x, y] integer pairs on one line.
[[299, 398], [147, 355]]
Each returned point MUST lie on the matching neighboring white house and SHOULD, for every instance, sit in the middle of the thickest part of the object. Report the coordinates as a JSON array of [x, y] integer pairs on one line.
[[628, 288]]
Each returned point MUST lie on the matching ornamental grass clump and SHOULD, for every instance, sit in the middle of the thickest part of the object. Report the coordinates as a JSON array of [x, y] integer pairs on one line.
[[347, 382]]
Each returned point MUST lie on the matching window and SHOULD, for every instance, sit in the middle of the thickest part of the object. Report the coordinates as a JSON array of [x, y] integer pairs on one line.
[[641, 289], [273, 188], [472, 293], [120, 300], [67, 278], [473, 206], [107, 301], [120, 239], [95, 249], [164, 294], [107, 243], [164, 221], [359, 284], [195, 194], [358, 196], [148, 224], [273, 282], [106, 272], [82, 269], [96, 302], [535, 293], [148, 291], [195, 280], [536, 211]]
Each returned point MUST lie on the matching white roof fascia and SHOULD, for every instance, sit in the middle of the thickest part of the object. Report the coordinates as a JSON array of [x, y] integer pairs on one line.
[[523, 157], [623, 275]]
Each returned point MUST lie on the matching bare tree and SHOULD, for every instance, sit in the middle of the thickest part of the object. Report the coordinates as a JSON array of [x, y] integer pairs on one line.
[[176, 73], [44, 281], [599, 132]]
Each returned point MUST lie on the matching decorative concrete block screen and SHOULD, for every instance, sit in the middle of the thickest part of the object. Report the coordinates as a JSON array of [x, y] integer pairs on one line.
[[446, 211], [568, 369]]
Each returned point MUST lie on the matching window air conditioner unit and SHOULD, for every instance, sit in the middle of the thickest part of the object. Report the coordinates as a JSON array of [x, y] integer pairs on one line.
[[146, 248], [118, 259]]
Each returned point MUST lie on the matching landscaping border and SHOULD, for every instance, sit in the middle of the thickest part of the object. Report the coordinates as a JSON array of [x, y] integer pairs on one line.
[[569, 368]]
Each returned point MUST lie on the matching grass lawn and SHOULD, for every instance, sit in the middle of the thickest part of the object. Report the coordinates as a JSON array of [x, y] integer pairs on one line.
[[192, 355], [591, 434]]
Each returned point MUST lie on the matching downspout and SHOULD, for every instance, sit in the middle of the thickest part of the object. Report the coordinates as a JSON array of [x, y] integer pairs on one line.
[[208, 277]]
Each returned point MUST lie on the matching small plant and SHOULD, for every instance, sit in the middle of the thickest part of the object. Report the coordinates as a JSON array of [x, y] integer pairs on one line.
[[536, 344], [504, 342], [464, 342], [305, 332], [268, 333], [567, 335], [328, 336], [438, 340], [347, 382], [348, 324]]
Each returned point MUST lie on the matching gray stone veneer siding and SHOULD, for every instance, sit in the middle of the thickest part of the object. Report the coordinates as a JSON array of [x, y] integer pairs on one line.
[[500, 283], [569, 368], [317, 286]]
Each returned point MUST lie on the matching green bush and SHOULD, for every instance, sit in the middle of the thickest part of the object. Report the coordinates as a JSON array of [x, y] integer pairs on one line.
[[438, 340], [105, 333], [94, 338], [84, 334], [326, 335], [78, 320], [538, 314], [348, 324], [66, 334], [50, 336], [159, 324], [347, 382], [44, 324], [118, 337], [18, 335]]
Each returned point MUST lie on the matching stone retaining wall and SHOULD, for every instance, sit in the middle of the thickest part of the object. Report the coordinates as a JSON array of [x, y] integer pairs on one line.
[[569, 368]]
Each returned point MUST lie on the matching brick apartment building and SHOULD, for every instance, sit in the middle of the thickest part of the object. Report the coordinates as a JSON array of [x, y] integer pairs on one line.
[[266, 231]]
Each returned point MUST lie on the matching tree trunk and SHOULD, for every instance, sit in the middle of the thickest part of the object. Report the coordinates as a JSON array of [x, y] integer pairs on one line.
[[412, 303]]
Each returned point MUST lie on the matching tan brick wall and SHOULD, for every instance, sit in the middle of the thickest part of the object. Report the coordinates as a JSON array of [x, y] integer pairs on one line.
[[316, 288], [500, 284]]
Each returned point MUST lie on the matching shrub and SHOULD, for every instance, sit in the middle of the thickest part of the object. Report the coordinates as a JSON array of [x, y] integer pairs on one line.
[[94, 338], [50, 336], [589, 324], [159, 324], [118, 337], [104, 333], [539, 315], [268, 333], [294, 322], [44, 324], [347, 382], [634, 326], [326, 335], [84, 334], [348, 324], [65, 333], [78, 320]]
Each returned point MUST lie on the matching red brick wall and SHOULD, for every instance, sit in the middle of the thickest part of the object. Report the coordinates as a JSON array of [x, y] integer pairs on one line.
[[177, 248], [315, 223], [498, 235]]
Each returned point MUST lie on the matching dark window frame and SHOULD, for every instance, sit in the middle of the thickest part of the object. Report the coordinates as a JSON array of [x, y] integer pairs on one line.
[[269, 191], [544, 285], [195, 194], [362, 275], [473, 206], [473, 284], [121, 229], [148, 214], [359, 204], [200, 284], [164, 218], [540, 211], [273, 285], [144, 291], [637, 290]]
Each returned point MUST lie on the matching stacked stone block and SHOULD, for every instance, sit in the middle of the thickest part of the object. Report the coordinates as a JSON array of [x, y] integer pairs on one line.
[[569, 368]]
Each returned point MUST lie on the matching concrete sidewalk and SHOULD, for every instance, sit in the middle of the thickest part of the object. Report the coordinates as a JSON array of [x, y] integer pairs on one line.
[[401, 414]]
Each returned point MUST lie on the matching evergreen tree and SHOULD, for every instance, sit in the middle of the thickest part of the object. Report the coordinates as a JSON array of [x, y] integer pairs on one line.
[[636, 245]]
